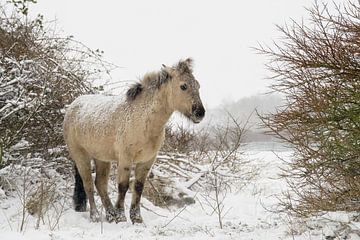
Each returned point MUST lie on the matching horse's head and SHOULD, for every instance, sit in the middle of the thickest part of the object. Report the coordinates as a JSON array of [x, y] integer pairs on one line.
[[185, 95]]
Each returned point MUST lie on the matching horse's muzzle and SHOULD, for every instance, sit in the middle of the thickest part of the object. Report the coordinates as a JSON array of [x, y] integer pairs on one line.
[[198, 111]]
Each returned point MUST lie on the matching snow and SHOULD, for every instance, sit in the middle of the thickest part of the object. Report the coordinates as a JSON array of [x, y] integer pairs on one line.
[[97, 105], [248, 216], [20, 145], [96, 110]]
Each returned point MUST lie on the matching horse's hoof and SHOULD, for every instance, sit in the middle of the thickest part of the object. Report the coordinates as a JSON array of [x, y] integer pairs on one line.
[[94, 216], [115, 215], [137, 219], [120, 218], [135, 216], [80, 208]]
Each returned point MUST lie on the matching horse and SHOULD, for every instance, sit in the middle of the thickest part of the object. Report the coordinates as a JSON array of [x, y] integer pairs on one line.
[[129, 131]]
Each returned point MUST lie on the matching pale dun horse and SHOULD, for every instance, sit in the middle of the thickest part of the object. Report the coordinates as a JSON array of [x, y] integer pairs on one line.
[[129, 131]]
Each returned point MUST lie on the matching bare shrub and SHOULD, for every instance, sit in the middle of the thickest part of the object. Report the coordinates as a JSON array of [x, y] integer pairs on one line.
[[208, 170], [46, 204], [42, 194], [178, 139], [317, 67], [228, 170]]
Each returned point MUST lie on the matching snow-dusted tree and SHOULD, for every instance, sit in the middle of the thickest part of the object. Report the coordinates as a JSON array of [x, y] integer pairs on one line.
[[40, 72], [316, 66]]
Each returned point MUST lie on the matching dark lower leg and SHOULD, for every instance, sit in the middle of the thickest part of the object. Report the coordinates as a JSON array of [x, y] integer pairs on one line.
[[122, 189], [135, 203], [123, 186], [79, 196], [141, 172]]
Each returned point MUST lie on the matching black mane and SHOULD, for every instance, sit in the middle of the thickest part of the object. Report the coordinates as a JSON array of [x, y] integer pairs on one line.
[[134, 91]]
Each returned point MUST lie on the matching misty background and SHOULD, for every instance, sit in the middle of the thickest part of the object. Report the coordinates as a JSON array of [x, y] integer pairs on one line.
[[139, 36]]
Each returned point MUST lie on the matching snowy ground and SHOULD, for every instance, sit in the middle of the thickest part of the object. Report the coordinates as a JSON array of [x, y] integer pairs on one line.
[[247, 218]]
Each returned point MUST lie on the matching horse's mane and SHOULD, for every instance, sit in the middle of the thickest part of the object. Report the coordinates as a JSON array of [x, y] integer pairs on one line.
[[154, 80]]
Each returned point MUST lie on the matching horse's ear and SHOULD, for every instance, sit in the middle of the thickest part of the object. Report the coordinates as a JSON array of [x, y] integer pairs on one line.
[[164, 75], [189, 62], [185, 66]]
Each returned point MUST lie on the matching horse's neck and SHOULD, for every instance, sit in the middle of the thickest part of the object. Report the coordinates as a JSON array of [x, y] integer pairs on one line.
[[157, 112]]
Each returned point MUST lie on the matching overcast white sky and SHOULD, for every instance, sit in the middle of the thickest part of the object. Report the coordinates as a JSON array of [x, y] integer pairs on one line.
[[141, 35]]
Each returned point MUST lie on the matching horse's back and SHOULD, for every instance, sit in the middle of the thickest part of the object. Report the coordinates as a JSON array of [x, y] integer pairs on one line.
[[92, 109], [97, 106], [90, 119]]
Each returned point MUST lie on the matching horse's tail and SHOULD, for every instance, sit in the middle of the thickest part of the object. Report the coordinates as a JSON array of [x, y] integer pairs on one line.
[[79, 196]]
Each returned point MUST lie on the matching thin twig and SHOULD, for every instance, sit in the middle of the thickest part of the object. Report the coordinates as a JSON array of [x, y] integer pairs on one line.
[[175, 216]]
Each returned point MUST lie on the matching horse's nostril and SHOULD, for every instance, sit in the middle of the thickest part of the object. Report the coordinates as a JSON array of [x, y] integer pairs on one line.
[[199, 112]]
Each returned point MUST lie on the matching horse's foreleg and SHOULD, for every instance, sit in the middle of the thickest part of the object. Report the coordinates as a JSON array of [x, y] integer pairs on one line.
[[141, 172], [83, 165], [101, 183], [123, 186]]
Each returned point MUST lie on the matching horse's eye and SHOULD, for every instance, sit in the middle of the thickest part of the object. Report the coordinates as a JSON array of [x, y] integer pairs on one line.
[[184, 87]]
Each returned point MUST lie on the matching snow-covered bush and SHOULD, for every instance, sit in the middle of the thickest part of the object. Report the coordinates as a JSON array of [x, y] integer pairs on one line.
[[40, 72]]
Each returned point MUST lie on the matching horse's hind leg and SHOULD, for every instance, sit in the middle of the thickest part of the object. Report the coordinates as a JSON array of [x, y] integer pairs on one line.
[[83, 165], [141, 172], [101, 183], [79, 196]]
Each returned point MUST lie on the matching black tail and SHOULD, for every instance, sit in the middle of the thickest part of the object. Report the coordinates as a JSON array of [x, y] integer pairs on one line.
[[79, 197]]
